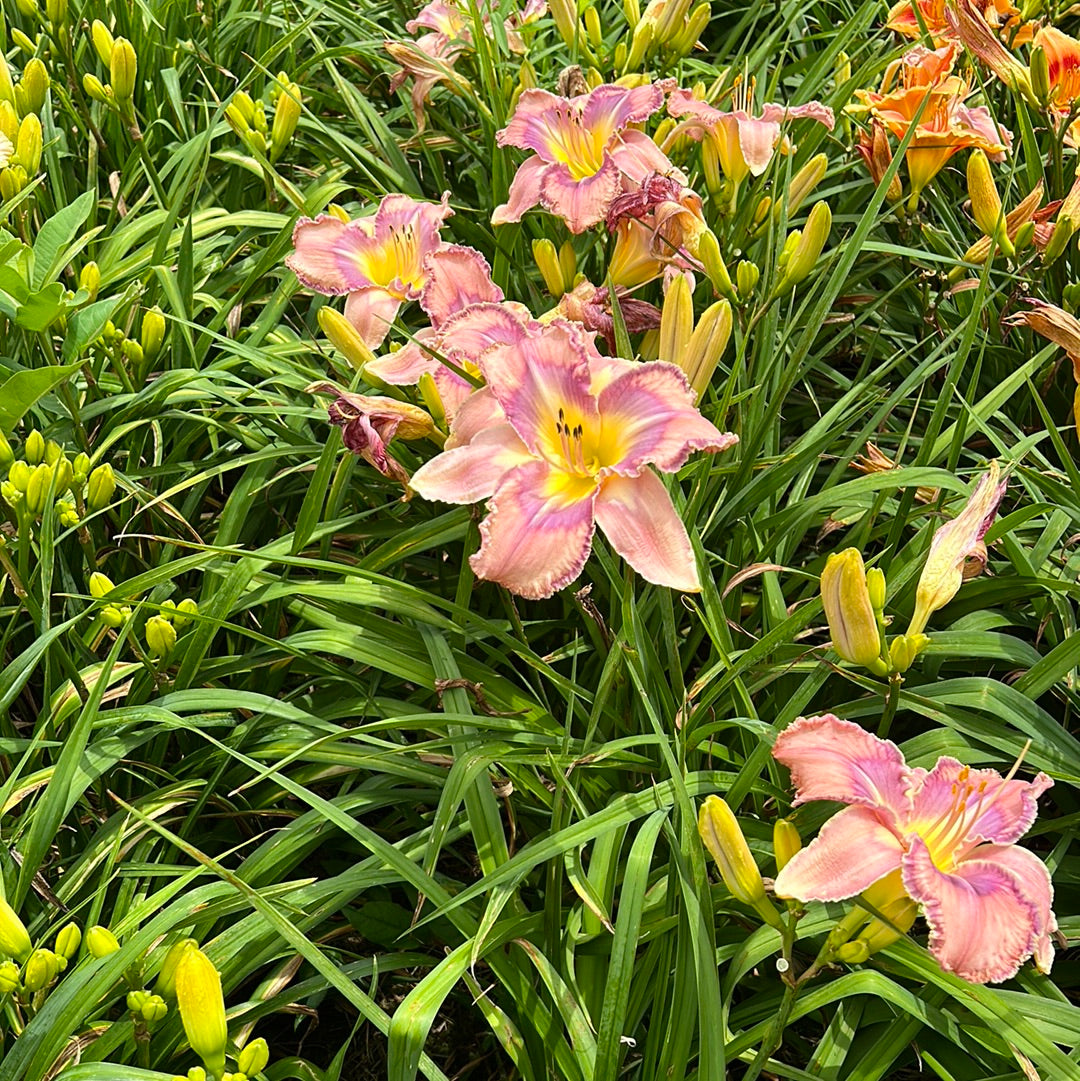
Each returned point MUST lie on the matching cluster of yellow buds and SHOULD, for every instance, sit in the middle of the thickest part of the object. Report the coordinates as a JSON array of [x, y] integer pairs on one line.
[[46, 471], [119, 57], [558, 266], [799, 190], [667, 28], [21, 137], [854, 600], [247, 117], [39, 967], [161, 630], [135, 355], [146, 1006], [885, 913], [803, 247], [696, 349]]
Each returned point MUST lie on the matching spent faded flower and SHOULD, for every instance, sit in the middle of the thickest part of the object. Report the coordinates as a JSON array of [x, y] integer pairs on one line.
[[378, 260], [584, 151], [950, 831], [560, 441]]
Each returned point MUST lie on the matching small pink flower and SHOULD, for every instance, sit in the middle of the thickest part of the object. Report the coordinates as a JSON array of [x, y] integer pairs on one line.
[[951, 832], [743, 142], [584, 151], [378, 261], [560, 441]]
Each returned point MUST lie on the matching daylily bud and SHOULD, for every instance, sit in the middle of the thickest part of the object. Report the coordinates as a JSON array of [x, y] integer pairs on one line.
[[63, 471], [14, 939], [90, 279], [160, 637], [568, 263], [245, 106], [345, 337], [57, 11], [9, 123], [68, 939], [898, 912], [19, 475], [38, 972], [100, 486], [37, 490], [28, 8], [123, 69], [805, 254], [875, 588], [53, 452], [676, 320], [112, 616], [153, 1009], [641, 43], [724, 839], [432, 399], [152, 333], [254, 1057], [593, 28], [1064, 230], [710, 167], [985, 201], [94, 89], [80, 466], [7, 455], [747, 275], [904, 649], [103, 41], [7, 87], [100, 941], [35, 84], [287, 114], [66, 512], [11, 495], [339, 212], [715, 268], [165, 985], [9, 977], [135, 1000], [34, 447], [184, 610], [804, 182], [1039, 67], [202, 1008], [25, 42], [786, 842], [852, 623], [99, 585], [632, 11], [547, 261], [696, 22], [707, 345]]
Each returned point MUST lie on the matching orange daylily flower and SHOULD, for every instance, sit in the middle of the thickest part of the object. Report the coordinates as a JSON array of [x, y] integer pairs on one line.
[[1001, 15]]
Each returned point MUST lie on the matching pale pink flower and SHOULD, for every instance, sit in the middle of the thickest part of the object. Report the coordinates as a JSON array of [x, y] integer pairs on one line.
[[560, 441], [744, 143], [378, 260], [951, 832], [584, 151]]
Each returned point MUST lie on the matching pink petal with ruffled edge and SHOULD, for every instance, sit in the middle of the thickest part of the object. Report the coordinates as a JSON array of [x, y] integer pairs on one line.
[[610, 108], [681, 103], [536, 537], [541, 382], [812, 110], [372, 311], [982, 926], [456, 277], [404, 367], [649, 413], [997, 810], [533, 122], [637, 156], [480, 411], [756, 141], [524, 192], [323, 256], [638, 518], [580, 203], [837, 760], [853, 850], [1033, 880], [466, 334], [473, 472]]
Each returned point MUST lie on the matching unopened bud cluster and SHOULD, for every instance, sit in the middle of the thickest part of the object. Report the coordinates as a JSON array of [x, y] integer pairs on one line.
[[119, 59], [135, 355], [247, 116], [161, 630], [21, 138], [666, 29]]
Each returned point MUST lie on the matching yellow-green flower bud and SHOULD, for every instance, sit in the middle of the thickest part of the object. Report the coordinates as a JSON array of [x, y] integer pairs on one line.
[[724, 839], [707, 345], [103, 41], [254, 1057], [152, 333], [9, 123], [100, 941], [676, 321], [184, 610], [154, 1009], [245, 106], [95, 90], [287, 113], [258, 118], [68, 939], [69, 516], [165, 985], [57, 11], [90, 279], [168, 608], [160, 637], [196, 1073], [202, 1008], [99, 585], [123, 69], [133, 353], [1039, 66], [53, 451], [803, 183], [28, 8], [985, 201], [136, 999], [9, 977], [715, 267], [546, 257], [710, 167], [100, 486], [905, 648], [875, 588], [14, 939], [1025, 234], [34, 447], [11, 495], [24, 41], [64, 473], [804, 254], [7, 87], [19, 475], [7, 455], [1064, 228], [846, 599], [345, 337], [80, 467], [38, 972], [37, 491], [786, 842], [112, 616], [35, 84], [746, 277]]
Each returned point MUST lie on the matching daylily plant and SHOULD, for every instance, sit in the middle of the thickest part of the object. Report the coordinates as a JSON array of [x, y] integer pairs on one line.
[[561, 441], [584, 151], [378, 260], [951, 832]]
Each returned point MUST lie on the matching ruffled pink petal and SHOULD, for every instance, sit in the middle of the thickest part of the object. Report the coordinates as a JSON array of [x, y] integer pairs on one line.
[[466, 334], [649, 413], [536, 537], [756, 141], [851, 852], [681, 103], [542, 382], [580, 203], [1033, 880], [996, 810], [372, 311], [524, 192], [637, 156], [530, 128], [457, 277], [982, 926], [638, 518], [454, 391], [480, 411], [443, 17], [812, 110], [324, 255], [473, 472], [980, 120], [609, 108], [838, 760], [404, 367], [398, 213]]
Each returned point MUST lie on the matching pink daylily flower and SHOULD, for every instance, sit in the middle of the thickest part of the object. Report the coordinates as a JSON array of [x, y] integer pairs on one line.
[[467, 313], [559, 442], [584, 151], [744, 143], [951, 831], [378, 261]]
